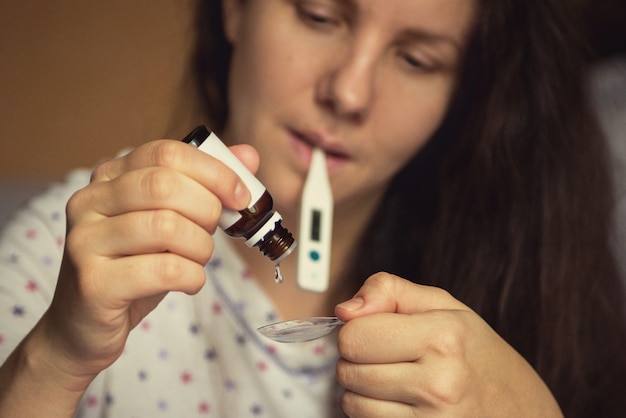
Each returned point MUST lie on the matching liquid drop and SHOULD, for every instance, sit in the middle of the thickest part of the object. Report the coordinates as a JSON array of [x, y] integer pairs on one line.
[[278, 276]]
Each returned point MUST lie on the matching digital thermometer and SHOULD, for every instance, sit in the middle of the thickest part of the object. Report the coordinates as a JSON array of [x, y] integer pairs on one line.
[[316, 227]]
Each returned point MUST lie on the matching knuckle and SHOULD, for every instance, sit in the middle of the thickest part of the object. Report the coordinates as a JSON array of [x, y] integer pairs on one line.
[[213, 211], [177, 273], [351, 376], [345, 344], [195, 280], [74, 205], [440, 294], [449, 385], [77, 205], [206, 251], [350, 343], [349, 404], [75, 239], [165, 223], [85, 268], [345, 373], [451, 342], [101, 171], [358, 406], [158, 184], [381, 281], [166, 153], [169, 268]]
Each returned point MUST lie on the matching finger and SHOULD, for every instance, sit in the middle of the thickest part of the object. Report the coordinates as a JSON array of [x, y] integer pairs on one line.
[[420, 384], [176, 155], [143, 276], [359, 406], [395, 338], [144, 232], [247, 155], [385, 292], [390, 382], [368, 339], [148, 189]]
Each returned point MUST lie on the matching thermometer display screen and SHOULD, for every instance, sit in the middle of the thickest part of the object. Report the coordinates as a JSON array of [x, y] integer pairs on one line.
[[316, 222]]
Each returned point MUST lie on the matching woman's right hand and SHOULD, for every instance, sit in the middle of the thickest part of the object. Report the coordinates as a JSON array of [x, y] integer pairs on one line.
[[140, 229]]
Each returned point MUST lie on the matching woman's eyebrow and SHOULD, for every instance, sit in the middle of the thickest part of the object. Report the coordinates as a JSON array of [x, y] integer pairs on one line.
[[411, 34], [348, 6], [423, 35]]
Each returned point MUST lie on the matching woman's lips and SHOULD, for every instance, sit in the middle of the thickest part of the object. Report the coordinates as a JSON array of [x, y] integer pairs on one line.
[[303, 144]]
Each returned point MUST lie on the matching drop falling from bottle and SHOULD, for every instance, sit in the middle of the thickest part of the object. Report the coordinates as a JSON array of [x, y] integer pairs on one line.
[[278, 276]]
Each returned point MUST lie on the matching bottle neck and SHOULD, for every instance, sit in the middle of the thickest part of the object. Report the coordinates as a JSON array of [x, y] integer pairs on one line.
[[277, 244]]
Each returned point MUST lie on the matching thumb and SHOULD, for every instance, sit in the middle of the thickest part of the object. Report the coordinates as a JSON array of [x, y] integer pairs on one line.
[[247, 155], [385, 292]]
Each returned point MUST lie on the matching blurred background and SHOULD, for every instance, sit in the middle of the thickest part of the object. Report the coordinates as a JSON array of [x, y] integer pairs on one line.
[[82, 79]]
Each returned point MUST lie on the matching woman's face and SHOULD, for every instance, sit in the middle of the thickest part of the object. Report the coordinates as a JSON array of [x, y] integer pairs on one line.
[[368, 81]]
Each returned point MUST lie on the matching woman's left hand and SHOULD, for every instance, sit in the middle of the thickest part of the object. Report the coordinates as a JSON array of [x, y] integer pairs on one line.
[[410, 350]]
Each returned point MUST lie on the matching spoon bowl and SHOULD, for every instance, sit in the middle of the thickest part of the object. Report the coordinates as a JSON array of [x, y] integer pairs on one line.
[[299, 330]]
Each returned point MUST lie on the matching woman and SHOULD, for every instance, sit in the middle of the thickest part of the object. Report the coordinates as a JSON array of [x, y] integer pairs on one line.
[[461, 155]]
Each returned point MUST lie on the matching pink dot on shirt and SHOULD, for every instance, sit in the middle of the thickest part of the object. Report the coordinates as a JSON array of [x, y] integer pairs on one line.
[[204, 408], [186, 378], [31, 286]]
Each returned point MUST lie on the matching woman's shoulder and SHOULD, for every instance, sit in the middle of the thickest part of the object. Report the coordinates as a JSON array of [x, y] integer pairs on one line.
[[31, 250], [34, 234], [23, 199]]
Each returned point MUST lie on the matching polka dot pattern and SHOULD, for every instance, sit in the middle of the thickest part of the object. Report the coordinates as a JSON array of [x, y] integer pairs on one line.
[[193, 356]]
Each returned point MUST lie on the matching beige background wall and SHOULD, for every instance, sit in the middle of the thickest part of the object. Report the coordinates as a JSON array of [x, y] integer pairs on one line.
[[81, 79]]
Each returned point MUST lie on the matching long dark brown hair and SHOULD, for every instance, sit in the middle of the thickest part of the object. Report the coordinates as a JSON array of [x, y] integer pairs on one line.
[[508, 206]]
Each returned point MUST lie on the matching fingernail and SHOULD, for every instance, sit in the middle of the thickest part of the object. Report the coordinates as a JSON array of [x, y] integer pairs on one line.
[[353, 304]]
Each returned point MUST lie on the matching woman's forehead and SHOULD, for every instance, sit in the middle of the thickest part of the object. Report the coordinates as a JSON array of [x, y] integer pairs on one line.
[[444, 19]]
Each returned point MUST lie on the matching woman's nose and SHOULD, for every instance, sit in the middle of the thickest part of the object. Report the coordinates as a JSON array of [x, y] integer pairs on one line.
[[346, 88]]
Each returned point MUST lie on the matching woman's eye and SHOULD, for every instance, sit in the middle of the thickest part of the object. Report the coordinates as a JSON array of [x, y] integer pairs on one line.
[[415, 63], [316, 17]]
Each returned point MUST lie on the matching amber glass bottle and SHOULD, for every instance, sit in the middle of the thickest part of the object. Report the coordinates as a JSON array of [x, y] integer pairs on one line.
[[259, 223]]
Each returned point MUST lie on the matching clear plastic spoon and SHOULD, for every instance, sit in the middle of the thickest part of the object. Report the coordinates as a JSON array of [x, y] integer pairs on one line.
[[299, 330]]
